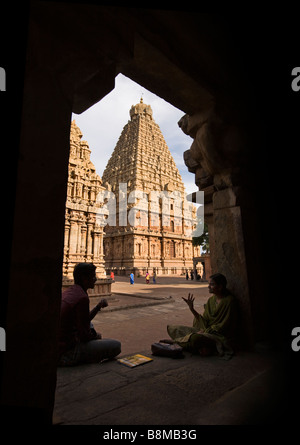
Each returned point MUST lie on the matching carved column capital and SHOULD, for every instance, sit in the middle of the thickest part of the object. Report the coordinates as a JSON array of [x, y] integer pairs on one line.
[[218, 144]]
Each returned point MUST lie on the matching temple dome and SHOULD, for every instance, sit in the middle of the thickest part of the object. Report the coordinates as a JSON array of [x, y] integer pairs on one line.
[[140, 109]]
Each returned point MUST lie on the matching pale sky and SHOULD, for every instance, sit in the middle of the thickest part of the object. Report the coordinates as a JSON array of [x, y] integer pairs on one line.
[[102, 124]]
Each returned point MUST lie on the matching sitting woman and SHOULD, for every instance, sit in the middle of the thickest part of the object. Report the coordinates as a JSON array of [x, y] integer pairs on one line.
[[214, 330]]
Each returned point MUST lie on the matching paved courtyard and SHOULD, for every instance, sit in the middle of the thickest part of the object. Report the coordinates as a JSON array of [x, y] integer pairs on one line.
[[141, 320], [191, 391]]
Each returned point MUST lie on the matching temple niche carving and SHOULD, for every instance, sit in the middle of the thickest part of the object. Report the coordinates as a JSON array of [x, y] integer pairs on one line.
[[83, 233], [153, 234]]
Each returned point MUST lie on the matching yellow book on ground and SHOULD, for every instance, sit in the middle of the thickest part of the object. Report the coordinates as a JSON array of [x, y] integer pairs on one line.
[[134, 360]]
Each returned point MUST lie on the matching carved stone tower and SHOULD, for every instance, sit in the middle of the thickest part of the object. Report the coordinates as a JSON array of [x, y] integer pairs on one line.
[[153, 231], [83, 235]]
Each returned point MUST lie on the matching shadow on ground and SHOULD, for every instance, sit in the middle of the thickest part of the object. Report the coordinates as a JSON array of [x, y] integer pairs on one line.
[[191, 391]]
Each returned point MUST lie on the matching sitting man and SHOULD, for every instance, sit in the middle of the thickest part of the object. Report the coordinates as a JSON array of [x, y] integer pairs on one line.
[[215, 329], [78, 341]]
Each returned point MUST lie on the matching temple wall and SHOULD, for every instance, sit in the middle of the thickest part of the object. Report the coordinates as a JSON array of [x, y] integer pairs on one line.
[[102, 287]]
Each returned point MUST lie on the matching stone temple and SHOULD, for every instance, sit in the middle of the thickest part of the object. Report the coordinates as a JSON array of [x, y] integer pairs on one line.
[[152, 224], [83, 234]]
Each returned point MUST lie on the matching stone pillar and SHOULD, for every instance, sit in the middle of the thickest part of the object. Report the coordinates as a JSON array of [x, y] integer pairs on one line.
[[34, 296], [67, 233], [97, 251], [66, 245], [96, 244], [83, 239], [101, 244], [229, 254], [73, 234], [149, 251], [89, 239], [215, 157], [78, 244], [183, 252]]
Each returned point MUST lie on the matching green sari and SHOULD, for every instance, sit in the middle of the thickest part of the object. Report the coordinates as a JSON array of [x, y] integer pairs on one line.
[[218, 324]]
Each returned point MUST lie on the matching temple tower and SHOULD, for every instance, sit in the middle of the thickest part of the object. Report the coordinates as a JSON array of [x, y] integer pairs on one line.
[[83, 234], [153, 224]]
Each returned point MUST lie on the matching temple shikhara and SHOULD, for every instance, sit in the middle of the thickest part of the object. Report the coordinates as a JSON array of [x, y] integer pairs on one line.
[[154, 233], [136, 219]]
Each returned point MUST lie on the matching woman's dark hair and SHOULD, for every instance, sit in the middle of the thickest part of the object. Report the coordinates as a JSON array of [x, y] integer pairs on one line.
[[83, 270], [219, 279]]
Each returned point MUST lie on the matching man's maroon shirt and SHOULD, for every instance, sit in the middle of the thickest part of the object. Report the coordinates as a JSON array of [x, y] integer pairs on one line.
[[74, 318]]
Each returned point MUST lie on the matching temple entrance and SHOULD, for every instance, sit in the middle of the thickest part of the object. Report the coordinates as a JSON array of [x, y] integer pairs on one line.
[[202, 267]]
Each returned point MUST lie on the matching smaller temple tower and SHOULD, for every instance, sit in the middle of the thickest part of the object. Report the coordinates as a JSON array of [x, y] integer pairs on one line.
[[83, 234]]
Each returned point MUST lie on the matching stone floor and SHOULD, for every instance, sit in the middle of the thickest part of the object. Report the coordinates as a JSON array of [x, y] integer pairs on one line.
[[190, 391]]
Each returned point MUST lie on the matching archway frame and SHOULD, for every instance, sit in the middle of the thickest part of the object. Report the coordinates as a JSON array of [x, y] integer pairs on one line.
[[74, 53]]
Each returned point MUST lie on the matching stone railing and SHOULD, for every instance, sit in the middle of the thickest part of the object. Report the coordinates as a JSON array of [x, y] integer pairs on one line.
[[102, 287]]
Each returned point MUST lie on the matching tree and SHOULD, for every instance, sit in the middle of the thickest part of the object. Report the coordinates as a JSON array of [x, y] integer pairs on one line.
[[202, 240]]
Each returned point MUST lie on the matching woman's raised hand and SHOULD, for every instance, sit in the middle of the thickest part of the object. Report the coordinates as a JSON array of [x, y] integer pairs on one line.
[[189, 301]]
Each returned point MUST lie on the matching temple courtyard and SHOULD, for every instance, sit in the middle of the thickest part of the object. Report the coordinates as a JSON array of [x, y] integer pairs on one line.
[[248, 389]]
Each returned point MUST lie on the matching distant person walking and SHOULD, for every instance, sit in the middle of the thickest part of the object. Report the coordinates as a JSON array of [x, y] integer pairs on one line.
[[131, 278], [154, 277], [147, 277]]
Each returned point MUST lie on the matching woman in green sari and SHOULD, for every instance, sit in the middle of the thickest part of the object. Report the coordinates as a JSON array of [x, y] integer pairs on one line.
[[215, 329]]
